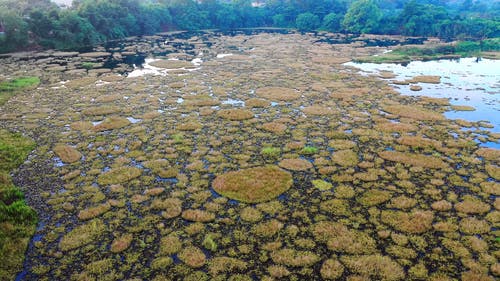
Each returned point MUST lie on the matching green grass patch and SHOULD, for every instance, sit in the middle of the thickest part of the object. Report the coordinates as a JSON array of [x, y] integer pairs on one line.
[[271, 152], [11, 87], [309, 150], [17, 220]]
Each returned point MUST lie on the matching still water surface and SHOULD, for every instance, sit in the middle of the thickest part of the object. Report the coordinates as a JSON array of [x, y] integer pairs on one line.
[[465, 82]]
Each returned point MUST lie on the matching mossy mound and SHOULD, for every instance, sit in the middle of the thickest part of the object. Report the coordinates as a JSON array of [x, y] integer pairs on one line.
[[67, 153], [294, 258], [119, 175], [235, 114], [101, 110], [414, 112], [110, 123], [414, 159], [295, 164], [253, 185], [318, 110], [82, 235], [321, 184], [192, 256], [375, 266], [278, 93], [414, 222]]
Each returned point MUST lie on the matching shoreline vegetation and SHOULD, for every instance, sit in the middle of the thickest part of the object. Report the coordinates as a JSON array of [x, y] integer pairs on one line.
[[488, 48], [17, 220]]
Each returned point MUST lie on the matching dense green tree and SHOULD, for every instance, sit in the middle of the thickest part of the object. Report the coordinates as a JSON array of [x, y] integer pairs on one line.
[[16, 31], [307, 21], [420, 20], [332, 22], [362, 17]]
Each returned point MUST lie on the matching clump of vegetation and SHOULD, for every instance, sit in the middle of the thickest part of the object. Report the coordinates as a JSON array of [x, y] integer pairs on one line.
[[322, 185], [209, 243], [110, 123], [82, 235], [309, 150], [192, 256], [414, 159], [291, 257], [88, 65], [296, 164], [251, 214], [271, 152], [235, 114], [10, 88], [275, 127], [219, 265], [331, 269], [119, 175], [67, 153], [198, 215], [121, 243], [278, 93], [345, 158], [414, 222], [374, 266], [170, 245], [253, 185]]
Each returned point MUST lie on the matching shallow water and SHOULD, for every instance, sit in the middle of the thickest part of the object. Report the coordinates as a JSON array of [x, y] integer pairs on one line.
[[464, 81]]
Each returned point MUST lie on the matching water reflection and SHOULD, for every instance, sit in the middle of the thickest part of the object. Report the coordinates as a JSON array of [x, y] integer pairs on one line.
[[466, 81]]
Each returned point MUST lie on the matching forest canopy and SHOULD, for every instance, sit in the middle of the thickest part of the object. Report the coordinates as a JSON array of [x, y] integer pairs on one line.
[[37, 24]]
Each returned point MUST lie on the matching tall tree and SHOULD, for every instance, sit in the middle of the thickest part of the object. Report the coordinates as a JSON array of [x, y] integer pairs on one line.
[[362, 17]]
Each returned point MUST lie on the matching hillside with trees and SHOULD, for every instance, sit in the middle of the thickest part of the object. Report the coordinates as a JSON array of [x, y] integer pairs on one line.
[[40, 24]]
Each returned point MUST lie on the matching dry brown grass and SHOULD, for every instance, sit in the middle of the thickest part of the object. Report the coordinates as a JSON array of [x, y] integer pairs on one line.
[[345, 158], [489, 153], [253, 185], [192, 256], [295, 164], [110, 123], [275, 127], [318, 110], [82, 235], [472, 205], [170, 245], [198, 215], [101, 110], [219, 265], [119, 175], [67, 153], [121, 243], [278, 93], [331, 269], [235, 114], [413, 112], [291, 257], [93, 212], [426, 79], [375, 267], [414, 222], [414, 159]]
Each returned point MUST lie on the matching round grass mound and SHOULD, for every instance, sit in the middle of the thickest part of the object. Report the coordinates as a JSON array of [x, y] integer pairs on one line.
[[253, 185]]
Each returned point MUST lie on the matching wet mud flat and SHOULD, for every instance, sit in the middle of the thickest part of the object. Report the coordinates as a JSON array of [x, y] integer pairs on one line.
[[148, 177]]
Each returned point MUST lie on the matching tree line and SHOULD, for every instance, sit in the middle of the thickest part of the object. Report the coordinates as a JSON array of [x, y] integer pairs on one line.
[[31, 24]]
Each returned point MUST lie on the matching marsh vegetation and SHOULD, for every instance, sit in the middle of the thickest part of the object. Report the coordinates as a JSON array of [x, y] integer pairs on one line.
[[272, 161]]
